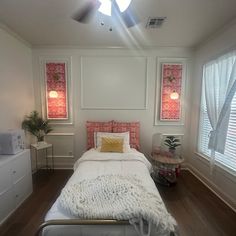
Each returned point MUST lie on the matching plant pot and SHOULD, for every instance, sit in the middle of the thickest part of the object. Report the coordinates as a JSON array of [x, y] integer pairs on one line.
[[172, 151], [41, 143], [40, 138]]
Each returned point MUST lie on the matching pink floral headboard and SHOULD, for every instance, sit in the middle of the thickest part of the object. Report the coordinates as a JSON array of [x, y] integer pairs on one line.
[[132, 127], [93, 127]]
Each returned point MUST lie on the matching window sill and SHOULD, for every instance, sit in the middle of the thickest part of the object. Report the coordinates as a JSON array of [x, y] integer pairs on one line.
[[230, 174]]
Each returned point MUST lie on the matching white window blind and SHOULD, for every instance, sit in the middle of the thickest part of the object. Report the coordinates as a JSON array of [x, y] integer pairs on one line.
[[228, 159]]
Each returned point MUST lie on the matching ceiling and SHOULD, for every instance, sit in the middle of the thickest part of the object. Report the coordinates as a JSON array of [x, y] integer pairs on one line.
[[49, 23]]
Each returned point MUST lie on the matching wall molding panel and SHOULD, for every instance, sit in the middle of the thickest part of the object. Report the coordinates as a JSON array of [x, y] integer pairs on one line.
[[63, 144], [60, 134], [124, 78]]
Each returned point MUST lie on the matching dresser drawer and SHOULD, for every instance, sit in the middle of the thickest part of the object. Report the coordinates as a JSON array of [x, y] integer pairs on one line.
[[21, 166], [5, 178], [7, 204], [22, 189], [15, 181]]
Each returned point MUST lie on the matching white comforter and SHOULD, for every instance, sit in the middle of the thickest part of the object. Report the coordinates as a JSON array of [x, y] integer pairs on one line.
[[93, 164]]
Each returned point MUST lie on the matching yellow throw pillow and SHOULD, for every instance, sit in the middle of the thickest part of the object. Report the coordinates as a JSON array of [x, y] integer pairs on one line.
[[112, 144]]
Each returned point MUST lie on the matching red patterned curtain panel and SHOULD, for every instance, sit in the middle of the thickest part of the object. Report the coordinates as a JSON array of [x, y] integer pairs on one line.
[[171, 92], [56, 90]]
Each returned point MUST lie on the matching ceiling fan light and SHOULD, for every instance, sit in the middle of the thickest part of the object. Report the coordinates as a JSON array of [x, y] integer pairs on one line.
[[105, 7], [123, 4]]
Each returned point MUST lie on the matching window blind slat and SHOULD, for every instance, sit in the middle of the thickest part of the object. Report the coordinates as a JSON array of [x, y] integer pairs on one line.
[[227, 159]]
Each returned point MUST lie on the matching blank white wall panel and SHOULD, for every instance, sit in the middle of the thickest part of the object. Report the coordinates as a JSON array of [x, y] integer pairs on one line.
[[113, 82]]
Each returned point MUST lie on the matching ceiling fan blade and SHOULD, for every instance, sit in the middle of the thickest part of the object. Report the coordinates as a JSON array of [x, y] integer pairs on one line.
[[128, 16], [86, 12]]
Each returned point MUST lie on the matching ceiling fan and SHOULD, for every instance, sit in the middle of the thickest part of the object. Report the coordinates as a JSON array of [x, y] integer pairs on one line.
[[118, 9]]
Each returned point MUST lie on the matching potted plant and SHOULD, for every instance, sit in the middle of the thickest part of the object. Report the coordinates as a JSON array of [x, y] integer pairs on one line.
[[172, 143], [36, 126]]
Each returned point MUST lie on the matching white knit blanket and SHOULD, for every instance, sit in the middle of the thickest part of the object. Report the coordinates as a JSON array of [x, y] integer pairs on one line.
[[118, 197]]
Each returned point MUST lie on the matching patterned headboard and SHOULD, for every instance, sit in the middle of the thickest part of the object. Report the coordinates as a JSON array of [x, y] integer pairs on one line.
[[132, 127], [93, 127], [115, 127]]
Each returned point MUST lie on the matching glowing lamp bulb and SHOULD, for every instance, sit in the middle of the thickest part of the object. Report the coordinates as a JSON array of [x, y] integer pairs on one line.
[[174, 95], [53, 94]]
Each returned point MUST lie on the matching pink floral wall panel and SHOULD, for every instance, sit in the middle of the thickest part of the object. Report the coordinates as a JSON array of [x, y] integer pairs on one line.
[[56, 80], [171, 82]]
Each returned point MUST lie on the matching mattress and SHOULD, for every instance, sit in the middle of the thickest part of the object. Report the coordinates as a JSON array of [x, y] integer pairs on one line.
[[90, 168]]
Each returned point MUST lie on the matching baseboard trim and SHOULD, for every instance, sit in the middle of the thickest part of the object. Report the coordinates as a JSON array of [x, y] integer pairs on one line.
[[63, 168], [226, 199], [56, 167]]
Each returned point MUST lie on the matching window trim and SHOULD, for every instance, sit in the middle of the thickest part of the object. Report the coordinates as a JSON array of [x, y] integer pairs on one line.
[[220, 164], [227, 172]]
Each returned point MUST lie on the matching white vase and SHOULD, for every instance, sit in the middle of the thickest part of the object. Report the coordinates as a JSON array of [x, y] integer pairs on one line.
[[41, 143]]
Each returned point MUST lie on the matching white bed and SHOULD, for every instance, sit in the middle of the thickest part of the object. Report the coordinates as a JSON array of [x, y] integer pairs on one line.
[[91, 165]]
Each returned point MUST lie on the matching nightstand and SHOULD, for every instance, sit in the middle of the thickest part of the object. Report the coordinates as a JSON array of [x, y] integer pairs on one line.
[[165, 169], [45, 147]]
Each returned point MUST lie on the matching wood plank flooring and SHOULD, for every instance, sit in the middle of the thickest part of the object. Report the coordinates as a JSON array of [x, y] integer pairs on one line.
[[27, 218], [197, 210]]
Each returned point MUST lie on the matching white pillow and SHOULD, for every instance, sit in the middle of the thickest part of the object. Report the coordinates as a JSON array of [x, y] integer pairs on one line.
[[99, 135]]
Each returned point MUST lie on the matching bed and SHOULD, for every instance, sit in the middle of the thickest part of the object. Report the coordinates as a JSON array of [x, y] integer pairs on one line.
[[110, 194]]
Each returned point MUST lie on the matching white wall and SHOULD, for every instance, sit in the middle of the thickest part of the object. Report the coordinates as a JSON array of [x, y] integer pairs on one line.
[[77, 132], [223, 183], [16, 83]]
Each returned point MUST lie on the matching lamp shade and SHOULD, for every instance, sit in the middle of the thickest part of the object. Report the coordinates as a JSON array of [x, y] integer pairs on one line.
[[174, 95], [53, 94]]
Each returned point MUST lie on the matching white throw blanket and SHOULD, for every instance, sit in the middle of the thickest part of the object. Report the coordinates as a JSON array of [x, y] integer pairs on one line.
[[117, 197]]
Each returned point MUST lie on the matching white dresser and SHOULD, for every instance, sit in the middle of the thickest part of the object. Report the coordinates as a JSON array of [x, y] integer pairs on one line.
[[15, 181]]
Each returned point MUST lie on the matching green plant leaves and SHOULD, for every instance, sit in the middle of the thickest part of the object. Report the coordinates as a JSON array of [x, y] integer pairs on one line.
[[172, 142], [36, 125]]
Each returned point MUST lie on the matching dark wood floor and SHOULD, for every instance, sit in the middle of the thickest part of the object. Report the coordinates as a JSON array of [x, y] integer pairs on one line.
[[197, 210], [27, 218]]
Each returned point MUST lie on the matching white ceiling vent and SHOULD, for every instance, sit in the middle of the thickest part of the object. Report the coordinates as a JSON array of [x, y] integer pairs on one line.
[[155, 22]]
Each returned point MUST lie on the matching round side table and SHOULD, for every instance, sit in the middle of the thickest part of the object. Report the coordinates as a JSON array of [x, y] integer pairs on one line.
[[166, 169]]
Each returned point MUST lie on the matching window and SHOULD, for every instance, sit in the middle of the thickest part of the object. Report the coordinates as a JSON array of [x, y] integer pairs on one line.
[[228, 159]]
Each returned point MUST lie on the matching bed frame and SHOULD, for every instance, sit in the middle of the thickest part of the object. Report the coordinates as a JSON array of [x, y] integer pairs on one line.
[[80, 222]]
